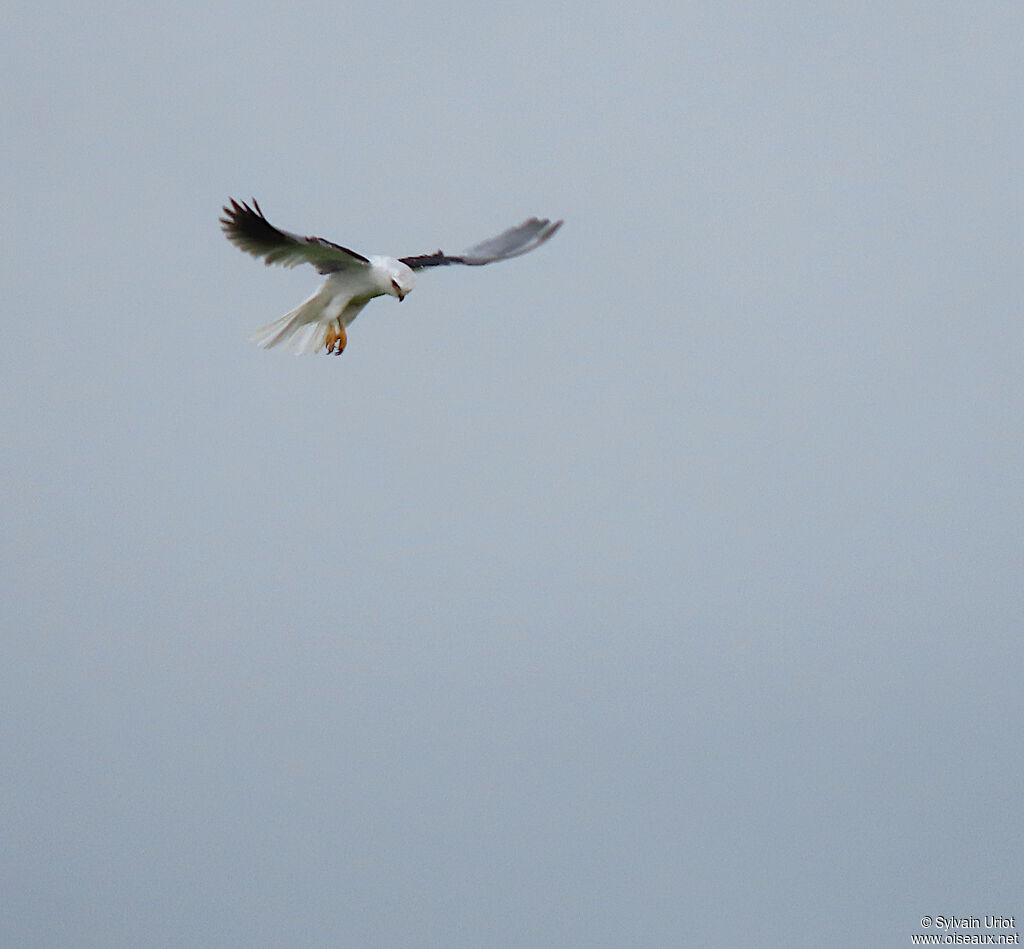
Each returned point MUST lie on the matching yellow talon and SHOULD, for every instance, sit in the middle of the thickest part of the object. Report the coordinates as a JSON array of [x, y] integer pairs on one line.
[[337, 338]]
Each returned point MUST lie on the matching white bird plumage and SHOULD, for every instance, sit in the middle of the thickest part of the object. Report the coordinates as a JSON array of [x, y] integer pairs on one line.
[[319, 324]]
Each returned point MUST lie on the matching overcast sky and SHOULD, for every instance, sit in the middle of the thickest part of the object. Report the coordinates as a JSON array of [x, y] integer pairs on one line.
[[663, 587]]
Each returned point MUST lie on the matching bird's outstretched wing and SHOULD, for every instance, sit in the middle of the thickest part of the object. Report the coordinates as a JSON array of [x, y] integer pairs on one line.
[[249, 230], [513, 242]]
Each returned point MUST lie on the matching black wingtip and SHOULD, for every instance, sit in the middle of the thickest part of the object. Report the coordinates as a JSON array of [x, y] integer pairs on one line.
[[236, 209], [232, 212]]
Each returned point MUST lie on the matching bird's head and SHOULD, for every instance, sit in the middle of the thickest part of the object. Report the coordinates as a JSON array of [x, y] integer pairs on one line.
[[396, 278]]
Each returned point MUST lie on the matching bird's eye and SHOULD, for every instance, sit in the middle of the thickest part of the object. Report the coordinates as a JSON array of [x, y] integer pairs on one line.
[[394, 283]]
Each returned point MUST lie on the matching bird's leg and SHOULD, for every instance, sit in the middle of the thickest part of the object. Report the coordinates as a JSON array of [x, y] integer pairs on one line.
[[337, 338]]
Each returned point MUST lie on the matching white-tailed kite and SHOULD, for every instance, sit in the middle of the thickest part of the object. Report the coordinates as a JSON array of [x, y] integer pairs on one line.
[[352, 279]]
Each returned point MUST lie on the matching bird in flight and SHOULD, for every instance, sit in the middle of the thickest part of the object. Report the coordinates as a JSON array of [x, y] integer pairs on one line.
[[318, 325]]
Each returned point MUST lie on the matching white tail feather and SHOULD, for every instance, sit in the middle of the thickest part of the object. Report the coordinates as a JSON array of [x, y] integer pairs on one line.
[[305, 328], [300, 329]]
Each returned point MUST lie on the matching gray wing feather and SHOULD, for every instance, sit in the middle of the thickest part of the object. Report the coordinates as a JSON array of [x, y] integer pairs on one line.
[[511, 243], [250, 231]]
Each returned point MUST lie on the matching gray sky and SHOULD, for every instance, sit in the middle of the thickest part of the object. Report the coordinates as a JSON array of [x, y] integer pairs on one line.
[[662, 587]]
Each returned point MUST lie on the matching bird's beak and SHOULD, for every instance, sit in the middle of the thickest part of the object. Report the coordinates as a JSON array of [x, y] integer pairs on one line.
[[401, 297]]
